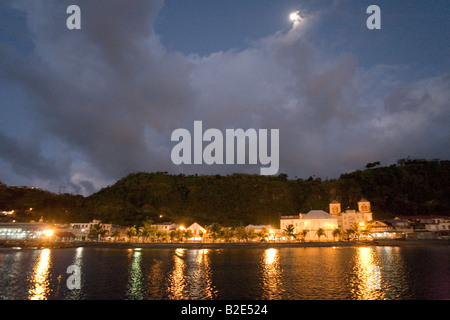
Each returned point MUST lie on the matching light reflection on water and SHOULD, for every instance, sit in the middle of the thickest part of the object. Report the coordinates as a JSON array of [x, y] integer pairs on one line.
[[271, 275], [286, 273], [177, 280], [367, 283], [136, 281], [40, 280], [191, 275]]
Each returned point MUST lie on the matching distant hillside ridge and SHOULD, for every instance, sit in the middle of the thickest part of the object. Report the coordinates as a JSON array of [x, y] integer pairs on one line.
[[409, 187]]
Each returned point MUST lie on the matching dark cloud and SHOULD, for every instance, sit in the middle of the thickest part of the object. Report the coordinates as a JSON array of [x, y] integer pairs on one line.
[[110, 94], [25, 158]]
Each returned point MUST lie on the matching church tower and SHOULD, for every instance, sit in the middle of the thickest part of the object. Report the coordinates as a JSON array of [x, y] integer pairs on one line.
[[335, 208], [364, 206]]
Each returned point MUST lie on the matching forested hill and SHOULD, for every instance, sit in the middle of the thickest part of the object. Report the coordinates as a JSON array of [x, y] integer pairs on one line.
[[410, 187]]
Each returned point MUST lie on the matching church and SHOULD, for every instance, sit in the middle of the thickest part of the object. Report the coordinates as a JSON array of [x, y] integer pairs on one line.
[[328, 222], [348, 218]]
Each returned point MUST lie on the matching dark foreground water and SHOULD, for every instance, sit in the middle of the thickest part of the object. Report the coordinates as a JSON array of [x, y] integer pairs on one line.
[[238, 274]]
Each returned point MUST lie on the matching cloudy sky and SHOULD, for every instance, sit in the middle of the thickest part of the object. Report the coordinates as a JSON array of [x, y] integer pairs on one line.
[[84, 108]]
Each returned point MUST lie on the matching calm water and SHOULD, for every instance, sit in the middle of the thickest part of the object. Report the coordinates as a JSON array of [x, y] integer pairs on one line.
[[286, 273]]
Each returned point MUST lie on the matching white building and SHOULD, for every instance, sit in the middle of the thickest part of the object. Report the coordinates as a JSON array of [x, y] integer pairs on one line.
[[285, 221], [82, 230], [165, 226], [429, 223], [198, 232], [258, 228], [311, 223], [25, 231], [315, 220]]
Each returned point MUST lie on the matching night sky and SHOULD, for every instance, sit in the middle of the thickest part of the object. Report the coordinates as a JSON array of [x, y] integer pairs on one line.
[[84, 108]]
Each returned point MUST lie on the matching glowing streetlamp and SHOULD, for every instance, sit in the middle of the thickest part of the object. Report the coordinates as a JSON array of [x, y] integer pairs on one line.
[[48, 233]]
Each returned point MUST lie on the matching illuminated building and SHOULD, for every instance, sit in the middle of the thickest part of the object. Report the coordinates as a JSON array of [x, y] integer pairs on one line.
[[81, 230], [310, 223], [25, 231], [350, 218], [258, 228], [165, 226], [197, 231]]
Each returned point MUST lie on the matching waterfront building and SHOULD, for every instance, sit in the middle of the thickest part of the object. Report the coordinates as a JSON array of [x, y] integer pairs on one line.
[[82, 230], [349, 218], [382, 230], [285, 221], [165, 226], [315, 220], [430, 223], [25, 231], [426, 227], [258, 228], [197, 230], [310, 223]]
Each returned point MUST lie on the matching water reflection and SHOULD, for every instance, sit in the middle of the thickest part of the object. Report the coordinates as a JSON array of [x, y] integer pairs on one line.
[[136, 282], [366, 285], [40, 278], [191, 276], [200, 275], [155, 278], [78, 256], [271, 274], [177, 280]]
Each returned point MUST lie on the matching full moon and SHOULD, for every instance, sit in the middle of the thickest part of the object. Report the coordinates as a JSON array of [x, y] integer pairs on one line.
[[295, 17]]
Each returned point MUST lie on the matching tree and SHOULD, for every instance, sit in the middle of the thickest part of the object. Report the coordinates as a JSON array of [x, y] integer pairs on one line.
[[262, 234], [349, 233], [365, 229], [131, 232], [251, 234], [116, 234], [226, 234], [163, 235], [145, 233], [289, 231], [172, 235], [336, 233], [354, 229], [97, 231], [149, 230], [239, 233], [320, 232], [179, 234], [188, 234], [214, 230], [160, 234], [372, 164]]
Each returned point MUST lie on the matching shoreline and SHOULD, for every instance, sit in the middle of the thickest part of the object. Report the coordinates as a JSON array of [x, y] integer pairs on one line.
[[232, 245]]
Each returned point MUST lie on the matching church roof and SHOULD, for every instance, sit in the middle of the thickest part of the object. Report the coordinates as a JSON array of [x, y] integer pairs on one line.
[[363, 200], [317, 214], [289, 217], [334, 201]]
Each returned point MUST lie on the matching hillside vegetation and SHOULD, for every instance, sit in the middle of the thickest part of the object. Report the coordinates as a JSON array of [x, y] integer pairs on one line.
[[410, 187]]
